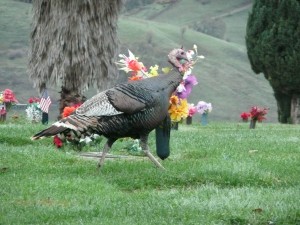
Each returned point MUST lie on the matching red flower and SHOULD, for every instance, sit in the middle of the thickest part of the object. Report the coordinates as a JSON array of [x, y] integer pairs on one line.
[[245, 116], [30, 100], [258, 113], [57, 141], [134, 65]]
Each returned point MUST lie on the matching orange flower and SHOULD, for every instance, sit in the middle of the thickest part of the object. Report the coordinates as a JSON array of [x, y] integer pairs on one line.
[[174, 100], [68, 110], [135, 77]]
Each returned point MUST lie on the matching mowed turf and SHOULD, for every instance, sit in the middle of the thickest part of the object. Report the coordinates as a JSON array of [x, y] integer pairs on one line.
[[223, 173]]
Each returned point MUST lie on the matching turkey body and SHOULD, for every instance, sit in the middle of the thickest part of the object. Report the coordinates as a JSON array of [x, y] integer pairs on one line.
[[132, 109], [151, 97]]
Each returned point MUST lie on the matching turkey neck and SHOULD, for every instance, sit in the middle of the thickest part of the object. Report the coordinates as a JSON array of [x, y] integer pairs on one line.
[[171, 81], [166, 83]]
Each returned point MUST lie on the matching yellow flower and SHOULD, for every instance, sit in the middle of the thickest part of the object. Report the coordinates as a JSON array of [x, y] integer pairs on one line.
[[166, 70], [179, 111], [153, 71], [1, 98]]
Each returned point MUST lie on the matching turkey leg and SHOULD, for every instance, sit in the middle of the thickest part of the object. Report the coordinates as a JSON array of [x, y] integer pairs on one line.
[[105, 150], [145, 147]]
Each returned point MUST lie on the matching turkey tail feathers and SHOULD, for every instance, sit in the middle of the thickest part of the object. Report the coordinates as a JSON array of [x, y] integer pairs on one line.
[[61, 126], [51, 131], [77, 123]]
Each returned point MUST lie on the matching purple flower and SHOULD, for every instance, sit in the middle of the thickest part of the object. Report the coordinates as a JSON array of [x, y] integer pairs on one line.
[[189, 82], [204, 107]]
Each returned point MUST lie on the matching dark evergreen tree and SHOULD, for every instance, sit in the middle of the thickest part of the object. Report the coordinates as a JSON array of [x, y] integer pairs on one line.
[[273, 45]]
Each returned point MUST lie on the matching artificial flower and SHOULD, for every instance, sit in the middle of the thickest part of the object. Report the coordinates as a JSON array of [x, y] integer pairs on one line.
[[130, 63], [190, 54], [135, 65], [192, 109], [153, 71], [9, 96], [135, 77], [68, 110], [57, 141], [2, 111], [179, 111], [174, 100], [188, 84], [180, 88], [166, 70], [257, 113], [245, 116], [34, 112], [33, 100], [204, 107]]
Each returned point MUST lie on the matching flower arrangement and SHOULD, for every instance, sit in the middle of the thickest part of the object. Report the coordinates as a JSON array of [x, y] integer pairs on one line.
[[204, 107], [7, 99], [178, 109], [33, 110], [258, 114], [255, 113]]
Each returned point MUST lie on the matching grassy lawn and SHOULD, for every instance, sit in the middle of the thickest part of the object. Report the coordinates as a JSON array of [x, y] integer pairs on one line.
[[223, 173]]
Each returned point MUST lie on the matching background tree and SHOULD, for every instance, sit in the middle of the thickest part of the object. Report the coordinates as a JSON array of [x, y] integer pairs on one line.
[[74, 44], [273, 44]]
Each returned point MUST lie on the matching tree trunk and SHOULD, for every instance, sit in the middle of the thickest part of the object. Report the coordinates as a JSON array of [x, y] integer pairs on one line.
[[295, 109], [74, 44], [284, 106]]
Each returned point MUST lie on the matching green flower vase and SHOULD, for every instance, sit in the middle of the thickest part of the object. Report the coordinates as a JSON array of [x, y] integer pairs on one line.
[[204, 119]]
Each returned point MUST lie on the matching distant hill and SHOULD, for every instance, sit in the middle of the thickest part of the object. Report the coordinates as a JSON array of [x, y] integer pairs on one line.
[[150, 31]]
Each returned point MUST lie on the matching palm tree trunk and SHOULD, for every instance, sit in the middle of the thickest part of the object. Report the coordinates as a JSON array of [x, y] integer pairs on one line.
[[74, 44]]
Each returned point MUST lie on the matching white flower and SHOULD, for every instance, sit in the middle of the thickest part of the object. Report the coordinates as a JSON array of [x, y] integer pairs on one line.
[[180, 88], [34, 114], [187, 73]]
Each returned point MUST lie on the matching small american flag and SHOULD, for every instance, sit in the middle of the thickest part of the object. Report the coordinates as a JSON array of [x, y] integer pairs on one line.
[[45, 102]]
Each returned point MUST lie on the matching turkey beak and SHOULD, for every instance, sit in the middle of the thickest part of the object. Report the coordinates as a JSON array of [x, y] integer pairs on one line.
[[183, 57]]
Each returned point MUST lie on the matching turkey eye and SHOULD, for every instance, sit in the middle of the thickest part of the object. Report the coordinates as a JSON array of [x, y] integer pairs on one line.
[[182, 53]]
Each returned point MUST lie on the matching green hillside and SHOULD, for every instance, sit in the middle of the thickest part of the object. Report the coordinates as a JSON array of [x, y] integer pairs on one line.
[[225, 77]]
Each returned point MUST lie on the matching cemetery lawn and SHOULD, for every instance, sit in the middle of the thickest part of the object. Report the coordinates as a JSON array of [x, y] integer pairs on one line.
[[223, 173]]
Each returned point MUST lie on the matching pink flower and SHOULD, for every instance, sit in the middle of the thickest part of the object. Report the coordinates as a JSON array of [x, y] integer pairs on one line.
[[192, 110], [9, 96]]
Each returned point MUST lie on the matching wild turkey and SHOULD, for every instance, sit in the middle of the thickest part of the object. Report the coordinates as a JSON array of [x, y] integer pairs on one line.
[[130, 109]]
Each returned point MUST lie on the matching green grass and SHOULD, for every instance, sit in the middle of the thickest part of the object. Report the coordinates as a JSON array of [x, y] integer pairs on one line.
[[223, 173]]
